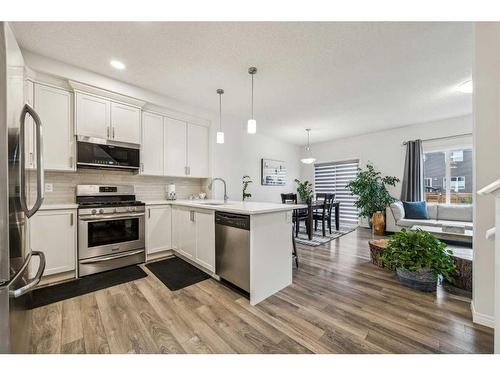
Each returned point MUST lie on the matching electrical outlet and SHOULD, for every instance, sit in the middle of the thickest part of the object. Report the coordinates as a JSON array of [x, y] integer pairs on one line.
[[49, 188]]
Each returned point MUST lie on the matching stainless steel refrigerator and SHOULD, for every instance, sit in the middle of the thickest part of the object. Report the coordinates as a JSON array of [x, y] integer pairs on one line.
[[20, 271]]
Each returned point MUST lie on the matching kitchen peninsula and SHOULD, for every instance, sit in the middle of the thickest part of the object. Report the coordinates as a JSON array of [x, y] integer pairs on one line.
[[258, 239]]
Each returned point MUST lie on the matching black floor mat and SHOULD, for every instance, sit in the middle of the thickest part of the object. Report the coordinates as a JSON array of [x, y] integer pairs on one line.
[[84, 285], [176, 273]]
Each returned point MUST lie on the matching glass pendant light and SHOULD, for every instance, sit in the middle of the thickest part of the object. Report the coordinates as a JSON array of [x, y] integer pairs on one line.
[[220, 133], [252, 124], [309, 159]]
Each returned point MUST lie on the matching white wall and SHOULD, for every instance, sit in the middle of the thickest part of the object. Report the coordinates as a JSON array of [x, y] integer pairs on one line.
[[384, 149], [241, 155], [486, 107]]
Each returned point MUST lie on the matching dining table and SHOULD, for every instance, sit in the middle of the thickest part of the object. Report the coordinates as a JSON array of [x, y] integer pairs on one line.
[[315, 205]]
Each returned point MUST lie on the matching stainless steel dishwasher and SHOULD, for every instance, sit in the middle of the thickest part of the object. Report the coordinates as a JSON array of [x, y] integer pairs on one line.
[[232, 248]]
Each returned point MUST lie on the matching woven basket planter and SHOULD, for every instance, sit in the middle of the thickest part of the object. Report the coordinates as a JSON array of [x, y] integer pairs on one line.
[[423, 280]]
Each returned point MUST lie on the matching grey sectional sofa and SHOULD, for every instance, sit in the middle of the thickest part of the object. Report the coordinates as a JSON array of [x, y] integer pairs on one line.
[[439, 214]]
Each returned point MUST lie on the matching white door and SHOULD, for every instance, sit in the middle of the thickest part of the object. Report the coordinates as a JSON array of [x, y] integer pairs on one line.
[[29, 130], [93, 116], [54, 106], [175, 152], [152, 144], [197, 145], [186, 233], [205, 240], [158, 229], [125, 123], [54, 233]]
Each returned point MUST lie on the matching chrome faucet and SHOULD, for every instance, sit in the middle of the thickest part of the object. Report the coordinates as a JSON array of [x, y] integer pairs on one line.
[[224, 182]]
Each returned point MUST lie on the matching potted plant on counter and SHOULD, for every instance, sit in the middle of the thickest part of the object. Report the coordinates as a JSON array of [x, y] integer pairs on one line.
[[372, 196], [419, 258], [305, 190], [246, 181]]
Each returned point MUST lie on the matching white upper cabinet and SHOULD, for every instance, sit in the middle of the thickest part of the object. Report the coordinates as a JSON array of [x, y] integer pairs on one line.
[[197, 156], [102, 118], [93, 116], [152, 144], [125, 123], [175, 144], [55, 108]]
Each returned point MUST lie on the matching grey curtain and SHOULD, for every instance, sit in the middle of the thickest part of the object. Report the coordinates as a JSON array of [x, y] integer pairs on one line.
[[413, 177]]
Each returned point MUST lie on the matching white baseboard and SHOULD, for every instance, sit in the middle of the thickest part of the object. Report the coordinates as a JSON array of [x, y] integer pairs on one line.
[[483, 319]]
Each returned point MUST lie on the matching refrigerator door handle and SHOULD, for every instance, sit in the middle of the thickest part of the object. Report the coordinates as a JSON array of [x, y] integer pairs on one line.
[[31, 282], [39, 162]]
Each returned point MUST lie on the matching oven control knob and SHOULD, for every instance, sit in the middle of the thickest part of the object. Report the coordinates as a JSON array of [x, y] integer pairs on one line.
[[101, 211], [115, 210], [94, 212], [132, 209]]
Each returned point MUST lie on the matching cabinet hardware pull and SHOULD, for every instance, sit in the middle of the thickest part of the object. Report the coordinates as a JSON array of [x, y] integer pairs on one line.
[[71, 219], [113, 132], [71, 161], [149, 213], [31, 159]]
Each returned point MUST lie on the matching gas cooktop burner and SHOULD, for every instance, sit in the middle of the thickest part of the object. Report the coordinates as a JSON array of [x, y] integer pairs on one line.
[[110, 204], [102, 196]]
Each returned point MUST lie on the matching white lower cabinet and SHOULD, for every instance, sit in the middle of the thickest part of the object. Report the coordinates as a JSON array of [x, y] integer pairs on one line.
[[205, 239], [194, 235], [186, 232], [54, 233], [158, 228]]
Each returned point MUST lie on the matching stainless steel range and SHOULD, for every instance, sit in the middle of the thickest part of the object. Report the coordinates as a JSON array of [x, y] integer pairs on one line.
[[110, 228]]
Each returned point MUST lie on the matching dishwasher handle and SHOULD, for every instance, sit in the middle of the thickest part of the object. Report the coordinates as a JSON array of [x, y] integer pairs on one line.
[[232, 220]]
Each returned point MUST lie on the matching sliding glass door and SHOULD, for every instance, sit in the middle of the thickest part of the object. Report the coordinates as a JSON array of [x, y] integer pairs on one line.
[[332, 177]]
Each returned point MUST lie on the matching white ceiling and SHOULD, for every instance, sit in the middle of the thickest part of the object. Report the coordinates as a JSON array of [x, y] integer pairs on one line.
[[339, 79]]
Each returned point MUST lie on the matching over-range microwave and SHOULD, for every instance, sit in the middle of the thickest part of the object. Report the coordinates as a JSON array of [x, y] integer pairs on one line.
[[102, 153]]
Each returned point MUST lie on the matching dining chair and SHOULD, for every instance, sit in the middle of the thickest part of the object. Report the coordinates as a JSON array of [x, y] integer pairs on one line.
[[298, 215], [324, 213]]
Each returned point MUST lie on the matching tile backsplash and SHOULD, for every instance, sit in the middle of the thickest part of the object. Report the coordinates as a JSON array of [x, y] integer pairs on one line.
[[146, 187]]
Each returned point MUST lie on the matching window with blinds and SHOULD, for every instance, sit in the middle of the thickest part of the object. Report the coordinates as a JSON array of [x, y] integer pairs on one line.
[[333, 177]]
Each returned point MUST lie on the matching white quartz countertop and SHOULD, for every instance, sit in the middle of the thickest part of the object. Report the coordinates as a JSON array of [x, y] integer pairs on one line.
[[247, 208], [59, 206]]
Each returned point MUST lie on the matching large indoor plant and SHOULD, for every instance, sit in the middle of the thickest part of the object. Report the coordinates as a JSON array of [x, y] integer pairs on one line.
[[305, 190], [372, 196], [419, 258]]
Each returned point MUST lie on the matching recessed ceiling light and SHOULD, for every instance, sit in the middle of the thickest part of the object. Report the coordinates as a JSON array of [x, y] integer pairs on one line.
[[465, 87], [117, 64]]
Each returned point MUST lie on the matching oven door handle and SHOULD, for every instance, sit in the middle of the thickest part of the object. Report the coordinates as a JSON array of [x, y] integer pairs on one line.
[[123, 255], [93, 218]]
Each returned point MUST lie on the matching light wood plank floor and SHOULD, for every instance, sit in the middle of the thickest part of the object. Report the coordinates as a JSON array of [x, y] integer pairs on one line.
[[339, 303]]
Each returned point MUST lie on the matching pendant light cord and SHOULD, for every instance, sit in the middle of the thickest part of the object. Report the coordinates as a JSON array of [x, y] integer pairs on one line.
[[252, 96], [220, 112]]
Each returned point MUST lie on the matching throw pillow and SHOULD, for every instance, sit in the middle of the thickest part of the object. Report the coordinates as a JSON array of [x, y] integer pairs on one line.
[[415, 210]]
